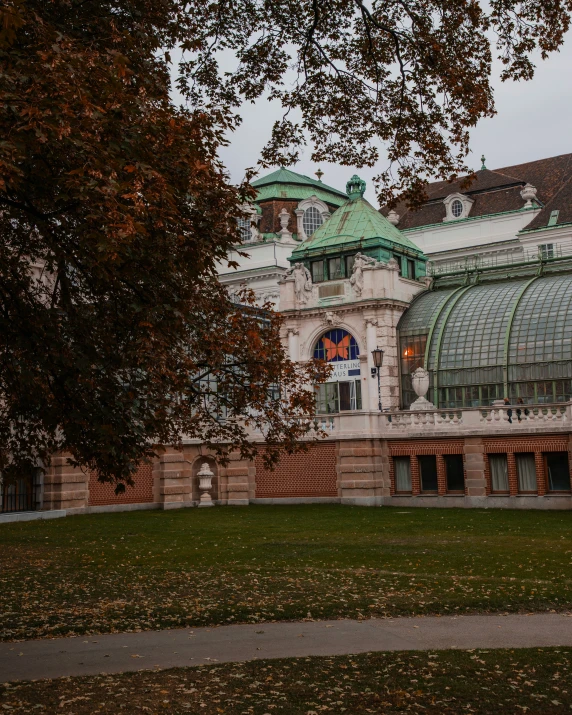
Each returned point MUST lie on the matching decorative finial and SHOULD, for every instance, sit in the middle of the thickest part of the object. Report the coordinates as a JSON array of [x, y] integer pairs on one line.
[[355, 188], [483, 162], [319, 174], [393, 217]]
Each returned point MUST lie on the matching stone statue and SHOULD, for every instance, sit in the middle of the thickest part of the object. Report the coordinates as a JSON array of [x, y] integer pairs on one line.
[[330, 318], [302, 282], [360, 262]]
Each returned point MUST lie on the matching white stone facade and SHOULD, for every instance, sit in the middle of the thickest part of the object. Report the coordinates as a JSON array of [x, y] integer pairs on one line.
[[370, 317]]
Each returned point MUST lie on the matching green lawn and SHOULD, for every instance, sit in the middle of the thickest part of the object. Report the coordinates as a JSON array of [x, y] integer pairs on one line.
[[437, 682], [148, 570]]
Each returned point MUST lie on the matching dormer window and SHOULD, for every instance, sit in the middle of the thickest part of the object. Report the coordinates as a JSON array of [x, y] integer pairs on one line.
[[457, 206]]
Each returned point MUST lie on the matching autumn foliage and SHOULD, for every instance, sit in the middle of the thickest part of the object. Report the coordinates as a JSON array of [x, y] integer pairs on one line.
[[115, 334], [115, 209]]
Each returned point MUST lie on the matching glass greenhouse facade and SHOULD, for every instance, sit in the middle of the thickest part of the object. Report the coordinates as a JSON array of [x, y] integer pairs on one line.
[[484, 342]]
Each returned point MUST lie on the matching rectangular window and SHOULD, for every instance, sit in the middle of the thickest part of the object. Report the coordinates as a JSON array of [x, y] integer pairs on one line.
[[455, 472], [350, 395], [357, 385], [317, 271], [498, 466], [402, 470], [335, 268], [349, 264], [334, 397], [546, 251], [558, 471], [345, 395], [526, 471], [544, 392], [327, 399], [411, 269], [428, 469], [398, 259], [490, 393], [22, 494]]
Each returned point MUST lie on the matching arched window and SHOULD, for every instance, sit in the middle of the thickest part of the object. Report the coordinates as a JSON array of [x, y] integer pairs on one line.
[[342, 391], [336, 345], [312, 220]]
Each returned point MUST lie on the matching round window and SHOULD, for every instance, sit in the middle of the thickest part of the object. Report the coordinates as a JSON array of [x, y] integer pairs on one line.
[[336, 345], [457, 208]]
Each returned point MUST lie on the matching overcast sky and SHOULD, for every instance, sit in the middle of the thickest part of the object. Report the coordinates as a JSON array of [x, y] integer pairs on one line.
[[533, 121]]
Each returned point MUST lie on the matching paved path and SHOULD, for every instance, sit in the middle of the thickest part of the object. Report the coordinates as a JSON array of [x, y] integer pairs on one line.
[[88, 655]]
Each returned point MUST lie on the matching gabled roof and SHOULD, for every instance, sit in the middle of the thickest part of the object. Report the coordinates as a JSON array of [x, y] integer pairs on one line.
[[354, 222], [498, 191], [286, 184]]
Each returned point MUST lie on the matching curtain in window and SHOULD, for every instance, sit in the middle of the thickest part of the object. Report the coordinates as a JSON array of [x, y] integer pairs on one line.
[[526, 469], [402, 474], [499, 472]]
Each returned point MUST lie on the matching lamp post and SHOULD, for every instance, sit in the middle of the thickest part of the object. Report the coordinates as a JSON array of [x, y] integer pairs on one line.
[[377, 355]]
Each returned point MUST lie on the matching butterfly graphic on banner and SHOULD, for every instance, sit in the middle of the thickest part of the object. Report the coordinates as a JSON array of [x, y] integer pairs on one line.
[[334, 350]]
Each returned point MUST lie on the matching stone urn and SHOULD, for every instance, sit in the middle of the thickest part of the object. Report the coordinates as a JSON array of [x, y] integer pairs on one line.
[[528, 194], [205, 476], [420, 382]]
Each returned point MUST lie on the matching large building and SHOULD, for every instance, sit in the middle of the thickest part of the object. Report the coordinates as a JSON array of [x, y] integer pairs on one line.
[[499, 217], [289, 207], [449, 330]]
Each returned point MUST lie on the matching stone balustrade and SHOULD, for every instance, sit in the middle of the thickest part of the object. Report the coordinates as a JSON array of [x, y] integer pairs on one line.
[[521, 419], [526, 414], [512, 418], [393, 424]]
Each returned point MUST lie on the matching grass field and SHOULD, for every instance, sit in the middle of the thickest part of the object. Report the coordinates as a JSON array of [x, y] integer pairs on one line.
[[149, 570], [436, 682]]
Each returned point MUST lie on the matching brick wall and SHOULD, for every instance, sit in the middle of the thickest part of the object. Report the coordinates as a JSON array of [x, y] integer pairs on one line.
[[412, 449], [310, 474], [475, 451], [513, 445], [270, 223], [104, 494]]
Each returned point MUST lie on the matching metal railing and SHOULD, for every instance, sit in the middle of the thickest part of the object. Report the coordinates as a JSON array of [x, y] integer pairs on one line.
[[543, 254], [21, 495]]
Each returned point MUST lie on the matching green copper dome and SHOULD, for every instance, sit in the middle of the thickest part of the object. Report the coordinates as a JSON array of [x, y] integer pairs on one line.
[[356, 222]]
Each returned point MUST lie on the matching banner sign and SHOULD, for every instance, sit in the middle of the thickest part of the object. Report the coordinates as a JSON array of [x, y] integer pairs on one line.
[[344, 370]]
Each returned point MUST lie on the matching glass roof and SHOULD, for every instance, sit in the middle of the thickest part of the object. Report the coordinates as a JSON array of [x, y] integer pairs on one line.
[[542, 326], [475, 330], [492, 340], [423, 309], [473, 326]]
